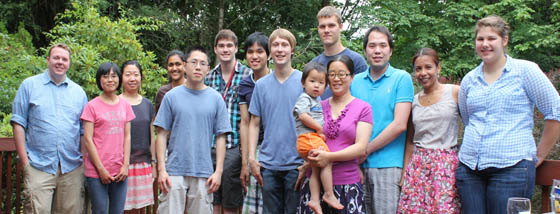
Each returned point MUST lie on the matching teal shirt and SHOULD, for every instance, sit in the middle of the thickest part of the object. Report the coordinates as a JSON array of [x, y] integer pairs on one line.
[[394, 86]]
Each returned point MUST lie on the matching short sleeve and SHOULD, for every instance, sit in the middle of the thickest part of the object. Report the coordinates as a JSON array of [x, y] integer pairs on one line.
[[405, 90], [303, 105], [152, 110], [541, 91], [255, 106], [20, 106], [164, 117], [366, 115], [243, 92], [89, 112], [129, 112], [222, 124]]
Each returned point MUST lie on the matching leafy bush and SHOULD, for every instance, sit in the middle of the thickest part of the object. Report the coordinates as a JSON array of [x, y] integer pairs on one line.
[[18, 61]]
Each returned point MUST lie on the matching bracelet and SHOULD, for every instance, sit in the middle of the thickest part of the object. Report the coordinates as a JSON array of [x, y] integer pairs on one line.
[[154, 161]]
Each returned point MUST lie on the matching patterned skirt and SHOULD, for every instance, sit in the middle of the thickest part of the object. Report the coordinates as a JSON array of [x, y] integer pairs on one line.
[[349, 195], [140, 191], [429, 182]]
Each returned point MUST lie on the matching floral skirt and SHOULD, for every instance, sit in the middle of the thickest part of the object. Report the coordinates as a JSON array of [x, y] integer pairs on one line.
[[140, 191], [429, 182]]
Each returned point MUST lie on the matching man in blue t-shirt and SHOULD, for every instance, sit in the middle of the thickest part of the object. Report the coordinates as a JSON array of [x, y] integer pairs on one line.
[[273, 99], [191, 115], [389, 91], [329, 25]]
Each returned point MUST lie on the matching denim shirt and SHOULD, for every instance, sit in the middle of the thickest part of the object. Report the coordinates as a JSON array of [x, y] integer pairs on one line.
[[50, 116], [498, 117]]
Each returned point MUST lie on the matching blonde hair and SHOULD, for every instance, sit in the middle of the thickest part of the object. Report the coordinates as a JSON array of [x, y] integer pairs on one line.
[[329, 11], [59, 45], [284, 34], [497, 24]]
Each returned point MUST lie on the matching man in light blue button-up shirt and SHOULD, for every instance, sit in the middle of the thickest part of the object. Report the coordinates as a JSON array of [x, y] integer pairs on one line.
[[46, 120]]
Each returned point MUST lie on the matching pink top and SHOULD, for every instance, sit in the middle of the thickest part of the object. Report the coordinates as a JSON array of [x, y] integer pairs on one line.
[[341, 133], [108, 133]]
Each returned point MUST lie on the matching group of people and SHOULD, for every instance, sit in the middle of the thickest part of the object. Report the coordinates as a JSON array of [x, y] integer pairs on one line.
[[338, 137]]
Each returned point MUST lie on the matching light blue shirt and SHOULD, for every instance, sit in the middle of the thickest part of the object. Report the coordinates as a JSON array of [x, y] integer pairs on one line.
[[50, 115], [498, 118], [394, 86], [274, 102], [193, 117]]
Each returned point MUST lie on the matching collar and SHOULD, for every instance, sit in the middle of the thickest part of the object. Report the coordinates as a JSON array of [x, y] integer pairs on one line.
[[507, 67], [45, 79], [390, 70], [237, 67]]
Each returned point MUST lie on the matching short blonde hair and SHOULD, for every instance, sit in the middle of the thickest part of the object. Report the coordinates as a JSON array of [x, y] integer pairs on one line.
[[59, 45], [284, 34], [329, 11], [496, 23]]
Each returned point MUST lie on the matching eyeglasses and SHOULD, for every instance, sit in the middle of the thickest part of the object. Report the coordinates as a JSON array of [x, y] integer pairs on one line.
[[332, 75], [194, 63]]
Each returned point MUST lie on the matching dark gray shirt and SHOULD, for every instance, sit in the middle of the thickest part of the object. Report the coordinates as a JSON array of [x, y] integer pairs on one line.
[[140, 136]]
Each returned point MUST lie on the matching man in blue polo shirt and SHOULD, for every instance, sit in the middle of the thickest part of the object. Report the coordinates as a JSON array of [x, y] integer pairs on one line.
[[389, 91], [46, 120]]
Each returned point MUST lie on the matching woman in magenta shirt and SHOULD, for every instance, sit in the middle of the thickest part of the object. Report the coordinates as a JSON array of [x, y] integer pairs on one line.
[[347, 128]]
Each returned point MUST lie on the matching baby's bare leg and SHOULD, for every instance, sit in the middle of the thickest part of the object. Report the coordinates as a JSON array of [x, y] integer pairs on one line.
[[315, 191], [326, 180]]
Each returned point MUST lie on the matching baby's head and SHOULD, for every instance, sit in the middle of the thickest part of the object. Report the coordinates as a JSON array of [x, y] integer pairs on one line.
[[314, 79]]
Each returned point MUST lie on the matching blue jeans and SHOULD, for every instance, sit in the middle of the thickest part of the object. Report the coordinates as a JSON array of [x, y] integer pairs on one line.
[[488, 190], [278, 191], [110, 196]]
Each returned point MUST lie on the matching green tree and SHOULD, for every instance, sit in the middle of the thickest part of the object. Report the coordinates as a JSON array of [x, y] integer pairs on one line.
[[95, 39]]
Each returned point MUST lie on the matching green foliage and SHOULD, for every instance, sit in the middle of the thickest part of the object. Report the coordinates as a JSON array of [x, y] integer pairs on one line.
[[448, 27], [18, 61], [5, 126], [95, 39]]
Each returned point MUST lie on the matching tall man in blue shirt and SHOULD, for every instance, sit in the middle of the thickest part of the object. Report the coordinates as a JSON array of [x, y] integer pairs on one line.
[[46, 120], [389, 91], [329, 26]]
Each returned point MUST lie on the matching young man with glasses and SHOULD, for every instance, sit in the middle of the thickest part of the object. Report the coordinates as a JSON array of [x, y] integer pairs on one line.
[[192, 115]]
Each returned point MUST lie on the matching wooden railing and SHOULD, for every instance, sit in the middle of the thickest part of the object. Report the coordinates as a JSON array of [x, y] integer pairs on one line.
[[11, 184], [548, 170]]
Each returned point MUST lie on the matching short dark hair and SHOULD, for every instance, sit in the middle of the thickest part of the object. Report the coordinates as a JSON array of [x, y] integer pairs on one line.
[[106, 68], [225, 34], [258, 38], [313, 66], [380, 29], [344, 59], [135, 63], [197, 48], [179, 53]]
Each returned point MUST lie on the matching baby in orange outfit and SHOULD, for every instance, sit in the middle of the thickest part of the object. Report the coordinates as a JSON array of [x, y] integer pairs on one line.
[[309, 124]]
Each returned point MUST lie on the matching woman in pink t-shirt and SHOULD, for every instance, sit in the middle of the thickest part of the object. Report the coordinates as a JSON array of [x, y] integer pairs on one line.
[[106, 120], [347, 128]]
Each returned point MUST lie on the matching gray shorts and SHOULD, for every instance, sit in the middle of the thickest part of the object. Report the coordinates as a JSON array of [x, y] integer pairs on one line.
[[230, 194], [381, 189]]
